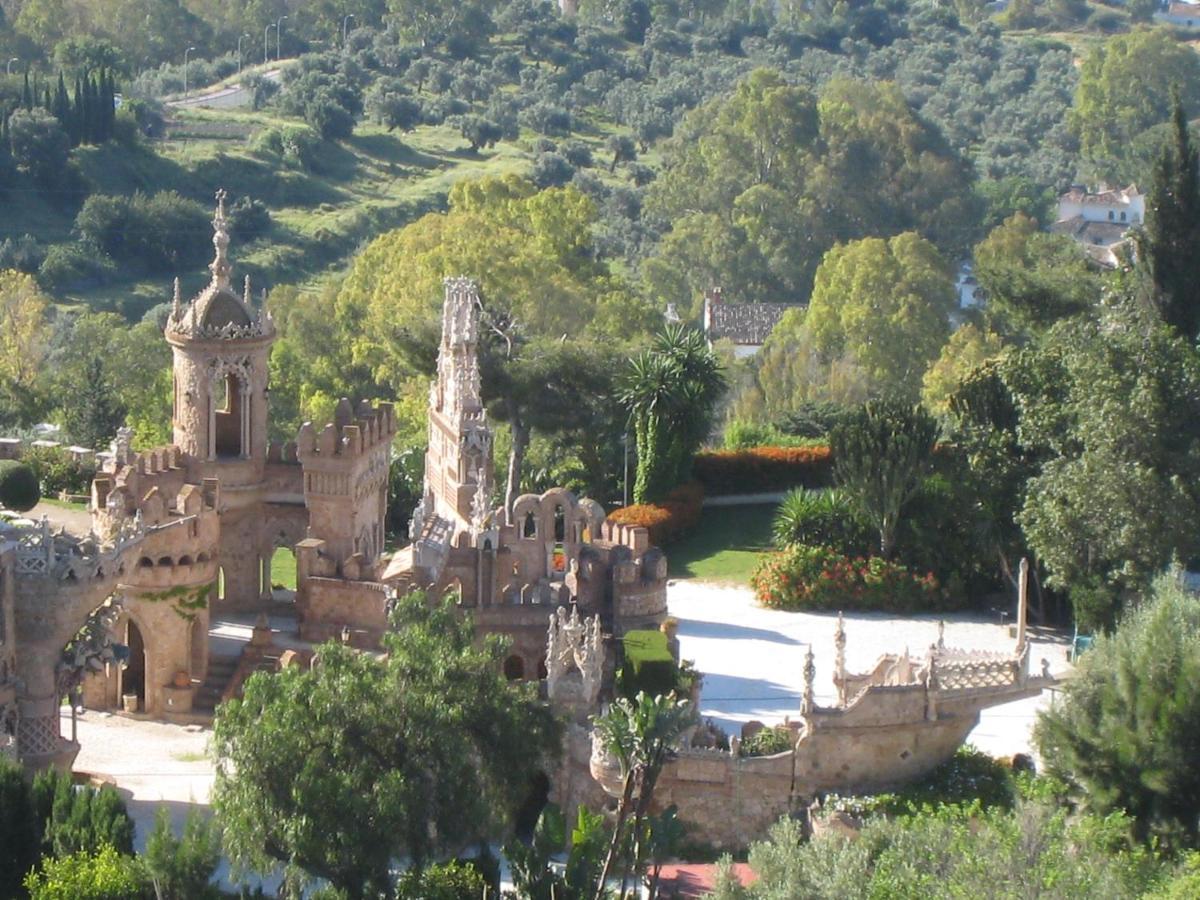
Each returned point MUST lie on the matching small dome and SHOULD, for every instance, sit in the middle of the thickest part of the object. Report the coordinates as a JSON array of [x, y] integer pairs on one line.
[[225, 309]]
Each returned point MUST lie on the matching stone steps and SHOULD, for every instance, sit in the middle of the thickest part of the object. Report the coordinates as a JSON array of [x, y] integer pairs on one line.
[[220, 671]]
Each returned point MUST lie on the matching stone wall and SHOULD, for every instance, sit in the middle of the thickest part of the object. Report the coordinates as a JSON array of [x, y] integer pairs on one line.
[[326, 606]]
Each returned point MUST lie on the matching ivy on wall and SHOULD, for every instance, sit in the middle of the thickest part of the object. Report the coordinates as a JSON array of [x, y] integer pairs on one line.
[[186, 601]]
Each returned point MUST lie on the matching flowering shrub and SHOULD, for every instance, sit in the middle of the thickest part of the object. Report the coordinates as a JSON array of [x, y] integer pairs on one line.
[[666, 521], [808, 577], [760, 469]]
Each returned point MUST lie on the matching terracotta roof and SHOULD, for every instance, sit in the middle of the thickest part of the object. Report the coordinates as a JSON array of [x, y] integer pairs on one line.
[[688, 880], [745, 323], [1105, 197]]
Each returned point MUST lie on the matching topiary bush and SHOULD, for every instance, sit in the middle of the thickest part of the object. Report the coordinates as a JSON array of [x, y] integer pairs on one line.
[[762, 469], [19, 490], [804, 577], [768, 742]]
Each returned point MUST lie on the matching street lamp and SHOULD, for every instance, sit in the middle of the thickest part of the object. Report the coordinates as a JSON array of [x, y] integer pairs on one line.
[[345, 21], [279, 37], [8, 66], [185, 65], [240, 52], [266, 41]]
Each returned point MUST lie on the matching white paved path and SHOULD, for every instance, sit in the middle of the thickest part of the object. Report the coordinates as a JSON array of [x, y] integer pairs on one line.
[[753, 658]]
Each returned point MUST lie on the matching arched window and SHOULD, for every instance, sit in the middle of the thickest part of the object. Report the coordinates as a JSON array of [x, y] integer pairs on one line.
[[530, 528], [514, 668]]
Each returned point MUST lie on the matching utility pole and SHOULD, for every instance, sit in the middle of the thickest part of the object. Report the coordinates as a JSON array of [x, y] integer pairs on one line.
[[240, 52], [267, 42], [279, 37]]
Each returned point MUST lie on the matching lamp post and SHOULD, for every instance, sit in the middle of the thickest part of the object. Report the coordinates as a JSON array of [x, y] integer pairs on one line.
[[279, 37], [240, 52], [345, 21], [8, 66], [185, 65], [266, 41]]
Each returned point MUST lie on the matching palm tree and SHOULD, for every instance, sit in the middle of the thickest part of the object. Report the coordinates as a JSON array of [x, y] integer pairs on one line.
[[649, 392], [640, 735], [671, 392]]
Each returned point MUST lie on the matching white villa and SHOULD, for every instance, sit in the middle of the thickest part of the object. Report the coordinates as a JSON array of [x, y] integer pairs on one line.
[[1101, 220]]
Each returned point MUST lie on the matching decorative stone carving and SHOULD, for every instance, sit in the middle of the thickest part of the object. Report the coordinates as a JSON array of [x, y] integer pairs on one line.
[[574, 645]]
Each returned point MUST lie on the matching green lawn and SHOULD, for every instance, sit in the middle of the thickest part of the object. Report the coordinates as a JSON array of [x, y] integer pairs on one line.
[[725, 546], [283, 568]]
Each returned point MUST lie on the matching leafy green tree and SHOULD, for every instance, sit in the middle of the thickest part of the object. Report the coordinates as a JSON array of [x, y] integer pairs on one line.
[[102, 874], [880, 457], [533, 873], [339, 770], [1033, 279], [39, 146], [639, 734], [480, 132], [1112, 403], [92, 415], [1171, 238], [182, 868], [1125, 86], [953, 851], [968, 349], [885, 304], [24, 340], [1125, 733]]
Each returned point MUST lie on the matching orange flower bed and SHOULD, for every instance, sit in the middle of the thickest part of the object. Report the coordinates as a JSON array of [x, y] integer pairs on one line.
[[666, 521], [763, 469]]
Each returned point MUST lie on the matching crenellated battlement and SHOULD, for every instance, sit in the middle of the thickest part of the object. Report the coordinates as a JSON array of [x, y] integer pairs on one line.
[[352, 433]]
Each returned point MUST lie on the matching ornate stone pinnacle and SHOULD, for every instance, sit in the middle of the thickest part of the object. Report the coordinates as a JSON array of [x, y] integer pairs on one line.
[[220, 266], [810, 676], [177, 303]]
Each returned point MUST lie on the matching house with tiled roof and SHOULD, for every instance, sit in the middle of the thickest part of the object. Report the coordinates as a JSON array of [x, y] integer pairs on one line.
[[745, 325], [1100, 220], [1180, 14]]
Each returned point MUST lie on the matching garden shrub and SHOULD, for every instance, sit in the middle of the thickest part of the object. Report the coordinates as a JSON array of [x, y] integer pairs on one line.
[[442, 881], [768, 742], [742, 435], [669, 520], [804, 577], [19, 489], [762, 469], [19, 837], [820, 518], [75, 265], [102, 875], [57, 471], [152, 231]]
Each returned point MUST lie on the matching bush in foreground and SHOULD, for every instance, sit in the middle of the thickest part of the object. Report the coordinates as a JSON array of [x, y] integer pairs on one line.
[[804, 577], [19, 489]]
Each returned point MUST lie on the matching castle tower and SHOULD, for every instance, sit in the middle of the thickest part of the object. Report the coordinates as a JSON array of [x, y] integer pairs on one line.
[[458, 463], [221, 345]]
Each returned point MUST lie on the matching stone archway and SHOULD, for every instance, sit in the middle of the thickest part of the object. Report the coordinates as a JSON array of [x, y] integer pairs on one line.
[[133, 676], [514, 668]]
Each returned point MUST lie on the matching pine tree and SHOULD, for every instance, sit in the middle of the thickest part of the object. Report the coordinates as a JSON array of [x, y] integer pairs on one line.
[[1170, 244]]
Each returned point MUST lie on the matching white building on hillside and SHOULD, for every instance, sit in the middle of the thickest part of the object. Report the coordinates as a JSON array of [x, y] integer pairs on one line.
[[1100, 221]]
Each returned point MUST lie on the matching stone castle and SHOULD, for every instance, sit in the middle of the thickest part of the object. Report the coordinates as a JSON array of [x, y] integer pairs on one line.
[[186, 533]]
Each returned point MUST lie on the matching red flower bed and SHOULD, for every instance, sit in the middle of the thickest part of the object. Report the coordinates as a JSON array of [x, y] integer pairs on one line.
[[666, 521], [806, 578], [762, 469]]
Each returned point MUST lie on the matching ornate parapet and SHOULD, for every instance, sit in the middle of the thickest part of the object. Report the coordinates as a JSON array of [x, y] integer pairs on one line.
[[574, 659]]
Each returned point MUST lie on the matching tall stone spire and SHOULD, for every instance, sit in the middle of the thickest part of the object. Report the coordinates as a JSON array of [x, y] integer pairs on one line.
[[810, 677], [220, 266]]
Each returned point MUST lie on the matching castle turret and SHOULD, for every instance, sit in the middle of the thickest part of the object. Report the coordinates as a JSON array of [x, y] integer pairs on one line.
[[458, 463], [221, 345]]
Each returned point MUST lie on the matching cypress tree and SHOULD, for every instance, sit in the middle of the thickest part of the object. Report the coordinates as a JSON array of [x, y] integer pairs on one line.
[[27, 94], [77, 114], [1170, 243], [47, 104], [62, 106]]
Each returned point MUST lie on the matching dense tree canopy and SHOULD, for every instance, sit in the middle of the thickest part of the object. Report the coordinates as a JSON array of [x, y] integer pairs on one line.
[[759, 185], [339, 770], [883, 304]]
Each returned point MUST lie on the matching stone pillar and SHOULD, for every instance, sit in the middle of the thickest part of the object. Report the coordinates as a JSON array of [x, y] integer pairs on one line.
[[1022, 603]]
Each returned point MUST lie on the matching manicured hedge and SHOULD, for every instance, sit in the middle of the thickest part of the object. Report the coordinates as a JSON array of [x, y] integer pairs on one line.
[[808, 578], [669, 520], [763, 469]]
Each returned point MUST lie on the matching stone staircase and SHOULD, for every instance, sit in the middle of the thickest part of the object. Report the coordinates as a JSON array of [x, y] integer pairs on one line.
[[220, 673]]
